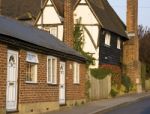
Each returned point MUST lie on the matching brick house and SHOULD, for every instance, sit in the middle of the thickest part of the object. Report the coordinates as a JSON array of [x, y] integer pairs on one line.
[[38, 73]]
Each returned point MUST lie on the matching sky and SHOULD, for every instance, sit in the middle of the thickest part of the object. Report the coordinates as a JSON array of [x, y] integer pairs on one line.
[[143, 14]]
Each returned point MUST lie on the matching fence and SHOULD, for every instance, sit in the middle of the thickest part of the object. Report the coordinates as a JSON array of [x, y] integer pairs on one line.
[[99, 88]]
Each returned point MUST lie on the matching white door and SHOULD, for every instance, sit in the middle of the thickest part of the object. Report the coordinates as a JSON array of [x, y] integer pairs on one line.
[[12, 76], [62, 84]]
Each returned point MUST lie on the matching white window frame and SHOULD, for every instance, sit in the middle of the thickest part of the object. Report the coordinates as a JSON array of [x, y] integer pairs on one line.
[[76, 73], [107, 39], [54, 31], [55, 70], [32, 59], [118, 43]]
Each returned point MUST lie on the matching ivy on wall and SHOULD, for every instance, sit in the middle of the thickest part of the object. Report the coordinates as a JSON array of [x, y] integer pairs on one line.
[[79, 42]]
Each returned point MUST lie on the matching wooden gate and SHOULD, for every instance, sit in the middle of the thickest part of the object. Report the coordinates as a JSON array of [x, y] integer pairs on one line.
[[99, 88]]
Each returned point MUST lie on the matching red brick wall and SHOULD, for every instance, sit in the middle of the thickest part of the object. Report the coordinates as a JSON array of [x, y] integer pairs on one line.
[[115, 69], [3, 75], [43, 92], [75, 91]]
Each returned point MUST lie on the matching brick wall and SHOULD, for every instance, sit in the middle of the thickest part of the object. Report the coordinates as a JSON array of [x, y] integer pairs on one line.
[[43, 92], [115, 69], [40, 91], [3, 75], [75, 91]]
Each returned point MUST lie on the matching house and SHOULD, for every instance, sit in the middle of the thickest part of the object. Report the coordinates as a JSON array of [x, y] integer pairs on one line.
[[38, 73], [103, 29]]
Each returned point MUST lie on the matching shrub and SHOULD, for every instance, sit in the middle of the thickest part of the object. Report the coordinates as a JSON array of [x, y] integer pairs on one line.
[[126, 81], [113, 92], [100, 73]]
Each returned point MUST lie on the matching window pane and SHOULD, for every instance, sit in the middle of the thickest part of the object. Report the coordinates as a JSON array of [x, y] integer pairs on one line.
[[118, 43], [49, 69], [28, 77], [107, 39], [53, 70], [52, 66], [53, 31], [31, 73]]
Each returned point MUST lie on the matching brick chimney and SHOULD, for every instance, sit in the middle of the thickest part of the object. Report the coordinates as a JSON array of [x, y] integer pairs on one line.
[[68, 23], [132, 17], [131, 61]]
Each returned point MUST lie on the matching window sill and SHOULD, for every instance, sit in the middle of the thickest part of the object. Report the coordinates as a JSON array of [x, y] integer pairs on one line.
[[28, 82], [76, 83], [52, 83], [107, 45]]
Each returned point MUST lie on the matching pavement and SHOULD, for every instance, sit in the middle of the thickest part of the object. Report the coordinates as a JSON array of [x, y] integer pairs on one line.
[[102, 105]]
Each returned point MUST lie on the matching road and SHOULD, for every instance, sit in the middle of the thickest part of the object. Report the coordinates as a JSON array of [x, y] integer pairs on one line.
[[139, 107]]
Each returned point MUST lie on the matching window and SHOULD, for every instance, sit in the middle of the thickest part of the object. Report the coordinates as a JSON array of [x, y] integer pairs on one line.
[[107, 39], [53, 31], [51, 70], [31, 67], [76, 73], [31, 75], [118, 43]]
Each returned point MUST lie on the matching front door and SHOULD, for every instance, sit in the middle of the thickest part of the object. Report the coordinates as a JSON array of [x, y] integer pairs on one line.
[[62, 84], [12, 75]]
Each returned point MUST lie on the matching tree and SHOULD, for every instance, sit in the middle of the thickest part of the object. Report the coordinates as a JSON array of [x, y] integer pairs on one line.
[[144, 35]]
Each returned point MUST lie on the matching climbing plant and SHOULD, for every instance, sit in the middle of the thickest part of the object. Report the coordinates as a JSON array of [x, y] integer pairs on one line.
[[79, 42]]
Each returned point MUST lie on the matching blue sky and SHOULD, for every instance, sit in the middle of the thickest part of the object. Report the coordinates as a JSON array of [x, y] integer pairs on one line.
[[144, 10]]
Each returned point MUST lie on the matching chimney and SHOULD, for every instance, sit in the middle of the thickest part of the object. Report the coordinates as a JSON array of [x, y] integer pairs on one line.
[[132, 17], [68, 23], [131, 47]]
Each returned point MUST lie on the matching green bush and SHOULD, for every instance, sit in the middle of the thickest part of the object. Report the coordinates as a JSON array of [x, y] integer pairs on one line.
[[100, 73], [126, 81], [113, 92]]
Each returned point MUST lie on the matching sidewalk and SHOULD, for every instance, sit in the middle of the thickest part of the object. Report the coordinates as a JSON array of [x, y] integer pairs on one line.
[[101, 105]]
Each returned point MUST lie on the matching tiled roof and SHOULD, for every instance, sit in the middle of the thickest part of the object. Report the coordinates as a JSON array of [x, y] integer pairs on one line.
[[27, 33]]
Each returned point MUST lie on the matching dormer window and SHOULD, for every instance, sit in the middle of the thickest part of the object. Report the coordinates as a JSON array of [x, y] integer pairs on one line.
[[107, 39]]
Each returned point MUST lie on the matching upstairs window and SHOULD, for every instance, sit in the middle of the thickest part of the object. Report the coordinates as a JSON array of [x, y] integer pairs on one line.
[[118, 43], [107, 39], [31, 67], [76, 73], [54, 31], [51, 70]]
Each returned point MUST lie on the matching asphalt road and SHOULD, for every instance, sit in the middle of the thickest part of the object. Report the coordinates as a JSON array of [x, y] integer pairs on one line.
[[139, 107]]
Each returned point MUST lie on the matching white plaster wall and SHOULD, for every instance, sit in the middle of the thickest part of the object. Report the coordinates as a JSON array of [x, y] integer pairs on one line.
[[86, 14], [49, 16], [88, 46], [88, 18], [60, 32]]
